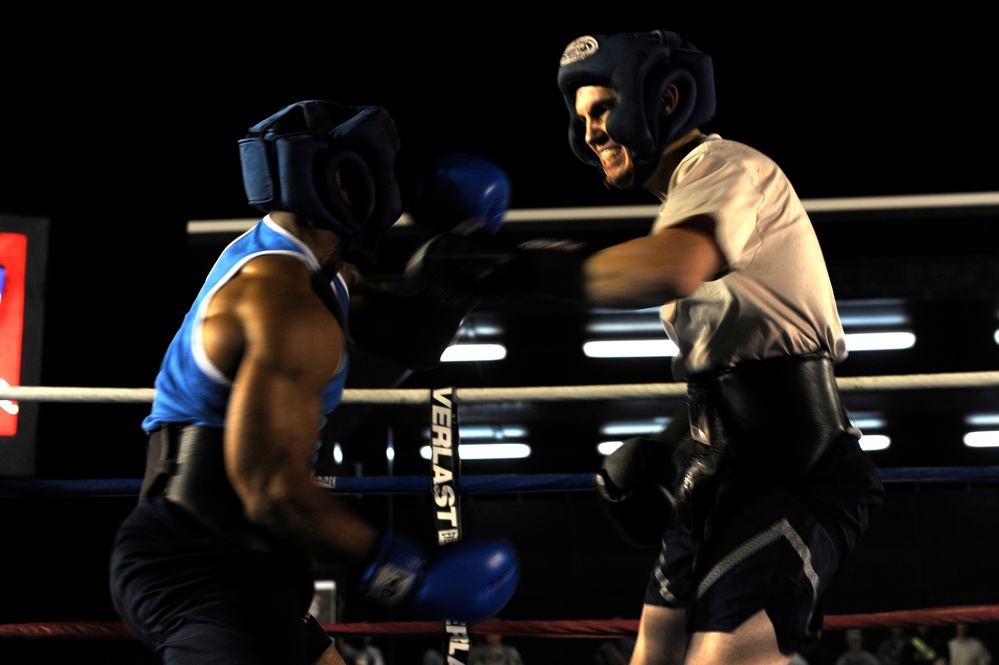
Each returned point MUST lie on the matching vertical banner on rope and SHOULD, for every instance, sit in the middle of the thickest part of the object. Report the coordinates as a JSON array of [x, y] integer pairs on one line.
[[445, 469]]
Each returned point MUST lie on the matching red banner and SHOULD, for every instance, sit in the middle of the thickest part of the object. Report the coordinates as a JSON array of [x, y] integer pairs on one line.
[[13, 257]]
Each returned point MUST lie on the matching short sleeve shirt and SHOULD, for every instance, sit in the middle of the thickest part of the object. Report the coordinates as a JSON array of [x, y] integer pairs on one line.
[[775, 297]]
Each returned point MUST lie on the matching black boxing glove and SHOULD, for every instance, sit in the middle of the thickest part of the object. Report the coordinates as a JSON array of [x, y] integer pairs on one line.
[[449, 270], [408, 327], [459, 268], [636, 483], [542, 270], [412, 322]]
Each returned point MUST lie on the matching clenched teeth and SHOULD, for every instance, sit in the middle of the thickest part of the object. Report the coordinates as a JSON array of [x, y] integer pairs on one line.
[[609, 154]]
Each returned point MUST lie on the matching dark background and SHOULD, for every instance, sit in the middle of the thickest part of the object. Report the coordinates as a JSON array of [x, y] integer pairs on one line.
[[119, 129]]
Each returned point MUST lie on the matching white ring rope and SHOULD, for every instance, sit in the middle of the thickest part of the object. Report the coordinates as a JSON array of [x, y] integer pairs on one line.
[[534, 393], [569, 215]]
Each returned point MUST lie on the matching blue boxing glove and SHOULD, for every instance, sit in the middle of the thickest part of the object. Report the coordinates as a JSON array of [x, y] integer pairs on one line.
[[469, 581], [460, 193]]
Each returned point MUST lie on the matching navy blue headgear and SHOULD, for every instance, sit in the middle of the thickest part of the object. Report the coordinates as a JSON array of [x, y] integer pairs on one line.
[[639, 67], [290, 162]]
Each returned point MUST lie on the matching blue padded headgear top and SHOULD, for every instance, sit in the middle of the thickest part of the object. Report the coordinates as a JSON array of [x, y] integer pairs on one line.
[[292, 159], [640, 67]]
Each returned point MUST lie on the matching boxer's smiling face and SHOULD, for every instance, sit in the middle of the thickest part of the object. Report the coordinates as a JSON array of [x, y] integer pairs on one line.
[[594, 104]]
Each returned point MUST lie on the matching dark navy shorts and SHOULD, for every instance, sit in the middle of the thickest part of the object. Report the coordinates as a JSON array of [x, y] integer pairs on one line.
[[195, 596], [769, 545]]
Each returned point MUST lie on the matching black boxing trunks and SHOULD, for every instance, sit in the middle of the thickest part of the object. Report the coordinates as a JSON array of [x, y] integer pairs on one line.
[[198, 583], [769, 534], [196, 597]]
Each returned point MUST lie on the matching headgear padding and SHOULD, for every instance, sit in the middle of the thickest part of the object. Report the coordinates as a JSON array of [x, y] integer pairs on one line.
[[639, 67], [290, 162]]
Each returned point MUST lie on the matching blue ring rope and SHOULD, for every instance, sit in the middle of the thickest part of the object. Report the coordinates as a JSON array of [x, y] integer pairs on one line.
[[479, 484]]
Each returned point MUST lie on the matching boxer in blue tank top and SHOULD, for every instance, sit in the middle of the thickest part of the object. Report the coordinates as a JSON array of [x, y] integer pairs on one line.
[[215, 563]]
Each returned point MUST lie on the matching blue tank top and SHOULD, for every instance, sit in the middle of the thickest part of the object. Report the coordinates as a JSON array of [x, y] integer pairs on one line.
[[189, 388]]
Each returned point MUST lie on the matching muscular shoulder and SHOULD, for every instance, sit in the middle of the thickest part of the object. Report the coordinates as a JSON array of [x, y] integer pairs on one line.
[[277, 291], [269, 311], [268, 289]]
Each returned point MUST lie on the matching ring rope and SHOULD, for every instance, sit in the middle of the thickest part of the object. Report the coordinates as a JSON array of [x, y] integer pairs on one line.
[[479, 484], [988, 379], [544, 482], [590, 628]]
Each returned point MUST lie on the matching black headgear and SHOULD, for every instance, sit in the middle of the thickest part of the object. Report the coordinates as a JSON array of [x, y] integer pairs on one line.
[[640, 67], [290, 162]]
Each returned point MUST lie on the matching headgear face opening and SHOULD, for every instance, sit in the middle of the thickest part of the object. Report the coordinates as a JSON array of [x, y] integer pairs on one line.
[[293, 159], [640, 67]]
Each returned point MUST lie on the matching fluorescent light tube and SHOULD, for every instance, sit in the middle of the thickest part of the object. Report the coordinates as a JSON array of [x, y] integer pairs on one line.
[[469, 451]]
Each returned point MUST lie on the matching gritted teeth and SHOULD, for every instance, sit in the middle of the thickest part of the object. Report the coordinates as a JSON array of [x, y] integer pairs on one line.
[[609, 154]]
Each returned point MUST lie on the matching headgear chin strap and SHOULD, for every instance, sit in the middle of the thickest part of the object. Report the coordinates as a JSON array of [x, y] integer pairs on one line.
[[291, 161], [639, 67]]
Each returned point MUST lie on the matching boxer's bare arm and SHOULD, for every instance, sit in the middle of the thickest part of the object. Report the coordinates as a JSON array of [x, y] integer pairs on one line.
[[279, 342]]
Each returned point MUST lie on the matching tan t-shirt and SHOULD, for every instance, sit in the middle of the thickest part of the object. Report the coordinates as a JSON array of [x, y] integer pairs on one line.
[[775, 298]]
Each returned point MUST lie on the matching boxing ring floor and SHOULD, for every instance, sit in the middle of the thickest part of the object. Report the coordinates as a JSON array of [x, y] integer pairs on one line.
[[921, 562]]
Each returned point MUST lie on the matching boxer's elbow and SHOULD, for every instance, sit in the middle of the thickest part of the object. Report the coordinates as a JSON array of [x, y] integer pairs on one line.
[[278, 501]]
